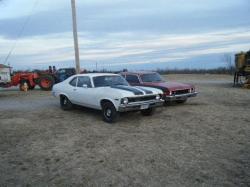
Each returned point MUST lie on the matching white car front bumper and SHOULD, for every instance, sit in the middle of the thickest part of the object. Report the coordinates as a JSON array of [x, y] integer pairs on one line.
[[143, 105]]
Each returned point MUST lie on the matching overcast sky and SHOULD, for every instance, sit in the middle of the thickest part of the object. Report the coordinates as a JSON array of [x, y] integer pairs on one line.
[[142, 34]]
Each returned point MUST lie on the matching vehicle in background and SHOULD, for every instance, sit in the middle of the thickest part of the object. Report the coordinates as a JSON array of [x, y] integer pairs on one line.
[[5, 72], [44, 79], [110, 93], [63, 73], [242, 66], [172, 91]]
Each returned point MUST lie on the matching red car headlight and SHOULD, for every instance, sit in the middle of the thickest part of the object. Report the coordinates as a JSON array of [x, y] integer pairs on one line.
[[167, 92]]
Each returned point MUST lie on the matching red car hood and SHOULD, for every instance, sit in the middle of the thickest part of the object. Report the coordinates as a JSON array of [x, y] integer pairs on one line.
[[171, 86]]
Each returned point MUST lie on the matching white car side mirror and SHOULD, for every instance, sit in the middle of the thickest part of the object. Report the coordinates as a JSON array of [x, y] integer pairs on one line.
[[85, 86]]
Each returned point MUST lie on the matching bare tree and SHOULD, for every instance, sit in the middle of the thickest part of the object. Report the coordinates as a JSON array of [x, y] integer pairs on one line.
[[228, 60]]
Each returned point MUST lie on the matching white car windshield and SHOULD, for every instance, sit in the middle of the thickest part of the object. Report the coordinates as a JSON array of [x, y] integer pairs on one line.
[[109, 80]]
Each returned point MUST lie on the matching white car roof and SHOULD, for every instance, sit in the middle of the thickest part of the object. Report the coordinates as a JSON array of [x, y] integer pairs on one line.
[[95, 74]]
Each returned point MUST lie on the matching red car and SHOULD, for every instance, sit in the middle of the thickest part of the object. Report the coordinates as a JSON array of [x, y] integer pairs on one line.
[[173, 91]]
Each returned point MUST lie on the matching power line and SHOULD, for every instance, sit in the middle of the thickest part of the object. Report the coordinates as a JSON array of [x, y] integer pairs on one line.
[[25, 23]]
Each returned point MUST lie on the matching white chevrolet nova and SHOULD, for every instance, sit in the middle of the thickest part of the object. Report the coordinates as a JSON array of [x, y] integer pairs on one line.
[[107, 92]]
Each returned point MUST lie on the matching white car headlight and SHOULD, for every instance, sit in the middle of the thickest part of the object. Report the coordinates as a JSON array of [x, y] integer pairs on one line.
[[124, 101], [158, 97]]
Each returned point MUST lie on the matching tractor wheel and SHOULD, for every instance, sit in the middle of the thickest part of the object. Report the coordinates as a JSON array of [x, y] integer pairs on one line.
[[46, 82]]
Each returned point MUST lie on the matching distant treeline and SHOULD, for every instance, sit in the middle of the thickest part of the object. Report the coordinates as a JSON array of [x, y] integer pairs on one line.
[[220, 70]]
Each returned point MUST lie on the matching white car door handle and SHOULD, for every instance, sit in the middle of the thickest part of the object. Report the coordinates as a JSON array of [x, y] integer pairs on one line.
[[74, 89]]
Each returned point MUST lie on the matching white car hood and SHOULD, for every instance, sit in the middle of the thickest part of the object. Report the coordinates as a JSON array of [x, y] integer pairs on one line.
[[131, 91]]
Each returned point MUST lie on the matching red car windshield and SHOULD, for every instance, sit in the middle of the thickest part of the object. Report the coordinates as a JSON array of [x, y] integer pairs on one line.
[[152, 77]]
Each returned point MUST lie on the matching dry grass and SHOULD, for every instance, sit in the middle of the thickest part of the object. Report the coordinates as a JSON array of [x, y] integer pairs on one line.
[[204, 142]]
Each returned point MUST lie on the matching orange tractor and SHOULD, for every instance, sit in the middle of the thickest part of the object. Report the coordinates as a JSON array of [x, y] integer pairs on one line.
[[44, 79]]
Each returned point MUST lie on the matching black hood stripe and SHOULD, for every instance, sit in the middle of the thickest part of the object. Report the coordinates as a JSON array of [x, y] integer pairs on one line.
[[130, 89], [145, 90]]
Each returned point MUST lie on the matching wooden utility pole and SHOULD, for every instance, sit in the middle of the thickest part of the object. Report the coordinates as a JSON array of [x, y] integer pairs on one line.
[[77, 58]]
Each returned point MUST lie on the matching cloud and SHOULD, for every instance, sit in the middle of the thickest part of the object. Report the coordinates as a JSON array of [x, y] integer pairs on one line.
[[102, 17], [124, 49], [122, 32]]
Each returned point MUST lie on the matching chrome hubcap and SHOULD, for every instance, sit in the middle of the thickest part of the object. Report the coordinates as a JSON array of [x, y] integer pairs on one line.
[[108, 112], [65, 101]]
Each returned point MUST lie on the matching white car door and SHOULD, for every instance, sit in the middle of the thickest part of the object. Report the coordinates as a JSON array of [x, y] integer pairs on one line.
[[83, 92], [70, 89]]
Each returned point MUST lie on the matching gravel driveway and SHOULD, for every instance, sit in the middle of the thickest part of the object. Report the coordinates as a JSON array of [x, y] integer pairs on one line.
[[205, 142]]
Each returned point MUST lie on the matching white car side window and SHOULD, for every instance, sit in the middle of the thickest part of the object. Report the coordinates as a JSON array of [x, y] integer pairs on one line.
[[73, 82], [84, 81]]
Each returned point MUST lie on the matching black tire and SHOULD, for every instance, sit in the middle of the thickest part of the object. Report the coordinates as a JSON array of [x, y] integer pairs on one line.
[[47, 78], [148, 112], [65, 103], [167, 103], [181, 101], [109, 113]]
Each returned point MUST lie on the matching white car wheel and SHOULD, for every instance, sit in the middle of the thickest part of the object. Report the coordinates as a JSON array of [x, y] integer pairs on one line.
[[109, 112]]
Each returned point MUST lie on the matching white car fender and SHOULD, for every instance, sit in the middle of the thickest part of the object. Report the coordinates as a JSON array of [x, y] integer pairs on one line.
[[57, 93], [115, 102], [61, 93]]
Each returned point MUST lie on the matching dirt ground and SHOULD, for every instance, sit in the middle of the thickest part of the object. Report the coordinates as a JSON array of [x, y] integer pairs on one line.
[[205, 142]]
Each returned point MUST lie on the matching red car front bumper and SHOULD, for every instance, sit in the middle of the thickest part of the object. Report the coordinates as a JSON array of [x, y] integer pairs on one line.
[[179, 97]]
